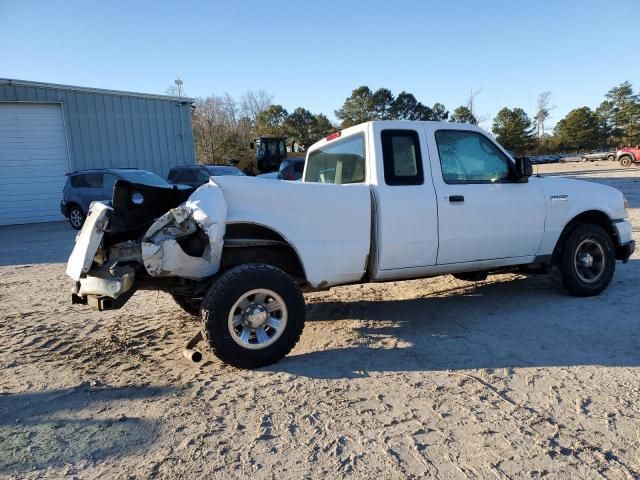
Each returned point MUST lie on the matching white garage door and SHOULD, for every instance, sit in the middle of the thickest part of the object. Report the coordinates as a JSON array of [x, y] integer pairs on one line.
[[33, 162]]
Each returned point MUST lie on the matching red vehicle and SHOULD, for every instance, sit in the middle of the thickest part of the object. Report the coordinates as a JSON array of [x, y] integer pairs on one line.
[[628, 155]]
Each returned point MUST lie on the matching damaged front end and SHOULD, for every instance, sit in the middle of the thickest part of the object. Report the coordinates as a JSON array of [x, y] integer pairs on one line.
[[151, 237]]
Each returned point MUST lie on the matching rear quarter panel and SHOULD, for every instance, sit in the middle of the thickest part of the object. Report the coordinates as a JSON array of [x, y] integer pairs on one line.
[[328, 225]]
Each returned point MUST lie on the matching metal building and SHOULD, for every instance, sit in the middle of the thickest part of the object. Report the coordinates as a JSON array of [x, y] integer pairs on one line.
[[48, 130]]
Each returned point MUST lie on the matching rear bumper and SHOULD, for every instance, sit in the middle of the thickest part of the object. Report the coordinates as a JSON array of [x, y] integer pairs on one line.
[[625, 250], [63, 208]]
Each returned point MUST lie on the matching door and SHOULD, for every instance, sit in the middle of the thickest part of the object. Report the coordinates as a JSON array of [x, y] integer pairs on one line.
[[33, 162], [483, 213], [406, 210]]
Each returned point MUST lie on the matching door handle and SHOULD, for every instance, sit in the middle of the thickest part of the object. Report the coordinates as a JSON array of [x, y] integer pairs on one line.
[[456, 198]]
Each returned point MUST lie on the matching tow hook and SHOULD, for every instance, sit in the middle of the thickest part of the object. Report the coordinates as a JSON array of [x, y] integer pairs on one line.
[[191, 354]]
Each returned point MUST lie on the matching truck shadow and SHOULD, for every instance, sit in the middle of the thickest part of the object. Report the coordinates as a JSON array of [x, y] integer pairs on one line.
[[497, 324], [48, 428]]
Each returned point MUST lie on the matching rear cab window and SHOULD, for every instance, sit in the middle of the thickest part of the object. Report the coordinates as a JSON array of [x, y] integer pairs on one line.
[[338, 162]]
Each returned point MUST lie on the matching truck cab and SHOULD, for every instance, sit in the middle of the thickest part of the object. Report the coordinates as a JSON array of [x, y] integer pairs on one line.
[[384, 200]]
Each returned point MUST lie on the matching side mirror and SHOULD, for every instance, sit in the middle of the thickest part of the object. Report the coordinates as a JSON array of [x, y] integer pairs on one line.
[[523, 169]]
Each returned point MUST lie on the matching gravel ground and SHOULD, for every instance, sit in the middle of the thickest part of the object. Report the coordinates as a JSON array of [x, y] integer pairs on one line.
[[442, 378]]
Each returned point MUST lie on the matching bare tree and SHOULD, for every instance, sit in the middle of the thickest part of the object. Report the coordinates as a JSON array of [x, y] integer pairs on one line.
[[253, 104], [543, 112], [223, 126], [471, 106]]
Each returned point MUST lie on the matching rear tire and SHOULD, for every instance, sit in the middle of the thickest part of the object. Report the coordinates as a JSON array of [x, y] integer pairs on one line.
[[586, 260], [253, 315], [76, 217]]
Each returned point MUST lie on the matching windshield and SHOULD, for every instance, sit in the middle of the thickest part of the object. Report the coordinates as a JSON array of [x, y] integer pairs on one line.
[[144, 177], [225, 171]]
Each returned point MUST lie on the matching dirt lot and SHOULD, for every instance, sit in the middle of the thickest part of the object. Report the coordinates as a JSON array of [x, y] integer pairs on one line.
[[506, 378]]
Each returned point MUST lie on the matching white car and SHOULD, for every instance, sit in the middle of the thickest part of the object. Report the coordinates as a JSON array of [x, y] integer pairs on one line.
[[380, 201]]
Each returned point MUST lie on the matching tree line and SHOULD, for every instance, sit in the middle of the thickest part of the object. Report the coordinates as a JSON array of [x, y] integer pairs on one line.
[[224, 127]]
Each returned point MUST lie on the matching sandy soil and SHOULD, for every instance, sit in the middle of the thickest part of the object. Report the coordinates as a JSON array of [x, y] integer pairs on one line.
[[506, 378]]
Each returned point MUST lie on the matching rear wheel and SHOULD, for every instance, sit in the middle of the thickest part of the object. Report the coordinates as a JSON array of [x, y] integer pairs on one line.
[[611, 158], [76, 217], [626, 161], [586, 260], [253, 315]]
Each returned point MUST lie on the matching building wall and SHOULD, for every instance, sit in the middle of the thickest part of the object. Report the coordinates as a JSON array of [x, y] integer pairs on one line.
[[115, 129]]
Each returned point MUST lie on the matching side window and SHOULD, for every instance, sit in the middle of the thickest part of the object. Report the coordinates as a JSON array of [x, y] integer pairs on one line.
[[470, 157], [78, 181], [338, 162], [109, 182], [401, 157], [183, 175], [173, 175], [93, 180], [203, 175]]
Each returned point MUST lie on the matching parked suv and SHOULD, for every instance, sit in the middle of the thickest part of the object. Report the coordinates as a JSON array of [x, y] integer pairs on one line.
[[196, 175], [86, 186]]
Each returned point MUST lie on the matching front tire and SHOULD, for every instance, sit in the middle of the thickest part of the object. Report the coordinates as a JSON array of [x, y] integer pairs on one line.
[[587, 260], [626, 161], [253, 315]]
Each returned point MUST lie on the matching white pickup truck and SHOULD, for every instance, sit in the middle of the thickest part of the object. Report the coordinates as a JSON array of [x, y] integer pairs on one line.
[[384, 200]]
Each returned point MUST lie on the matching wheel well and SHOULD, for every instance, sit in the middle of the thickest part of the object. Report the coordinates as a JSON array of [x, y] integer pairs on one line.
[[253, 243], [595, 217], [73, 204]]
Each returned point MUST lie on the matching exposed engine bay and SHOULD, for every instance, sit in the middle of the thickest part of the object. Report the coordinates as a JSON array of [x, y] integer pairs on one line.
[[150, 237]]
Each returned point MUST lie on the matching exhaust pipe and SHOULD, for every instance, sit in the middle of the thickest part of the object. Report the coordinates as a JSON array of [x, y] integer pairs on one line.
[[189, 353]]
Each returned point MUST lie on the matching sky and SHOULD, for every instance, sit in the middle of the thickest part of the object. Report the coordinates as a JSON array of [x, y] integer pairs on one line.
[[313, 54]]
